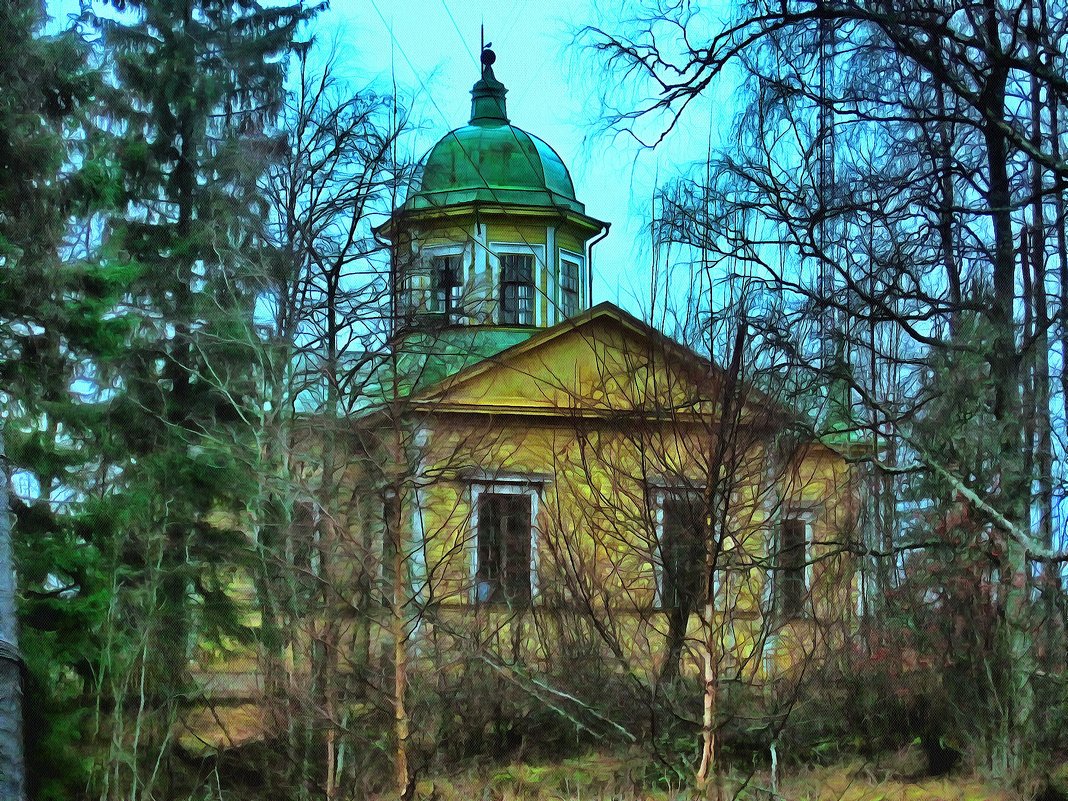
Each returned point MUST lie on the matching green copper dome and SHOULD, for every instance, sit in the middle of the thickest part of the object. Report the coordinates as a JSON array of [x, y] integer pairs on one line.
[[492, 161]]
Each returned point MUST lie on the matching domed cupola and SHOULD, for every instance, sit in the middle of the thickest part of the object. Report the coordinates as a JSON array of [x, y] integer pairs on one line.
[[490, 160], [491, 234]]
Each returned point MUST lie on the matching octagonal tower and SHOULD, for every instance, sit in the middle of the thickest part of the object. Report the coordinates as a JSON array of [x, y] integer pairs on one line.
[[491, 243]]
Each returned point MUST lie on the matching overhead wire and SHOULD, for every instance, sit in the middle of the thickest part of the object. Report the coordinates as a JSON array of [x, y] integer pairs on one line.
[[459, 33]]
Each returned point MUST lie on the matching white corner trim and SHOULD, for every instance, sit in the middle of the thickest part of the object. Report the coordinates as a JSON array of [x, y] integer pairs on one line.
[[552, 283], [480, 264], [418, 574]]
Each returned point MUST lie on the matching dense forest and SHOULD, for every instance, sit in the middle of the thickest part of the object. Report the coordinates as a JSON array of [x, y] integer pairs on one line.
[[190, 284]]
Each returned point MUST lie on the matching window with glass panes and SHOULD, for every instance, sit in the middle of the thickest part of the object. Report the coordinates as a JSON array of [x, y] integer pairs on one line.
[[569, 287], [790, 584], [517, 289], [504, 538], [446, 283], [682, 551]]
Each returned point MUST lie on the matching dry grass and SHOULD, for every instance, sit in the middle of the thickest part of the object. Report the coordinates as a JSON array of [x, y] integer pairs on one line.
[[216, 727], [852, 783], [602, 778]]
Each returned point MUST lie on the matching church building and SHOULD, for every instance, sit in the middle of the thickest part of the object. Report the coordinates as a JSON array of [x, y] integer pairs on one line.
[[539, 453], [537, 482]]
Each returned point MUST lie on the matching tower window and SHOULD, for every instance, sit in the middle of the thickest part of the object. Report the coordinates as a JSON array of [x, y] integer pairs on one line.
[[569, 287], [504, 536], [791, 585], [517, 289], [446, 284]]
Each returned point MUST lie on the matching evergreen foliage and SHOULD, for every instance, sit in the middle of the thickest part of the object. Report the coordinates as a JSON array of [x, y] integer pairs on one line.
[[191, 90], [51, 329]]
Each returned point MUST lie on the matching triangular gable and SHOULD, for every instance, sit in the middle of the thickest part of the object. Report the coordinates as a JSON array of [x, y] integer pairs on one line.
[[602, 362]]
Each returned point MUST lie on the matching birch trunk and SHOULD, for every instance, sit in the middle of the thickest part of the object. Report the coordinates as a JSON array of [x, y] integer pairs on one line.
[[717, 500], [708, 772], [400, 651]]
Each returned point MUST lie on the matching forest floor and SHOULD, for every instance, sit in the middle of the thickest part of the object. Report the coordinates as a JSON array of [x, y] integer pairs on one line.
[[614, 777], [847, 783], [602, 778]]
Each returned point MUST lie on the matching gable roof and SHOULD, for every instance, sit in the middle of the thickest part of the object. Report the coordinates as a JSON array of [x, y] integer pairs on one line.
[[605, 311], [603, 361]]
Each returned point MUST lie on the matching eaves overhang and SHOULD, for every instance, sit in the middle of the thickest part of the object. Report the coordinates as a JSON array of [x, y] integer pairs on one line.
[[438, 215]]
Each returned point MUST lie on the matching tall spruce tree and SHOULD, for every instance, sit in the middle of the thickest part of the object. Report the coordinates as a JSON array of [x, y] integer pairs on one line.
[[51, 330], [195, 83]]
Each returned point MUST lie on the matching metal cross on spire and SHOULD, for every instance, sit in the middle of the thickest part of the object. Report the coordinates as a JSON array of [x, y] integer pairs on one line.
[[486, 56]]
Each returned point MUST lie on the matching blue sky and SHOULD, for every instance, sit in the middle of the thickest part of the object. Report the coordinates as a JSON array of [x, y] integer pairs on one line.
[[430, 47]]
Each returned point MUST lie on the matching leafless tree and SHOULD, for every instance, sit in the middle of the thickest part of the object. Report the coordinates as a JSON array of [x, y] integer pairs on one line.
[[898, 165], [325, 306]]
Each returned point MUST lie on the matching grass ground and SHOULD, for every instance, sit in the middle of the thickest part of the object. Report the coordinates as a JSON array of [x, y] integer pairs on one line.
[[601, 778], [857, 784]]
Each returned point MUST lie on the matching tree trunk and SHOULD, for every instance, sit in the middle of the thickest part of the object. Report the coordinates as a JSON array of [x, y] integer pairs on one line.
[[717, 501], [708, 772], [946, 202], [328, 543], [1062, 242], [1018, 696], [677, 623], [1043, 441], [12, 761], [401, 722]]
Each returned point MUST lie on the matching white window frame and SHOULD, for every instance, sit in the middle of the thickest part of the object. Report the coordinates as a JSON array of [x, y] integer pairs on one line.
[[771, 653], [807, 517], [426, 255], [510, 485], [498, 249], [580, 260], [660, 495]]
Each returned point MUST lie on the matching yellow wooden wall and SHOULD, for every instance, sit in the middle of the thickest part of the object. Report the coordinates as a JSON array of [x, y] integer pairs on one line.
[[575, 414]]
